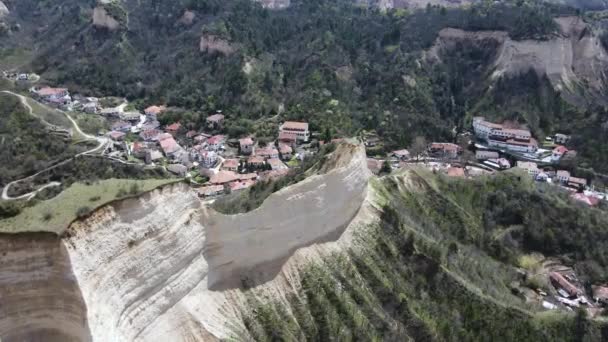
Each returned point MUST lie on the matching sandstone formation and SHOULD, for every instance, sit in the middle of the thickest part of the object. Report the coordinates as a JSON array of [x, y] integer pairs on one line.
[[3, 10], [166, 267], [210, 43], [575, 56], [101, 19]]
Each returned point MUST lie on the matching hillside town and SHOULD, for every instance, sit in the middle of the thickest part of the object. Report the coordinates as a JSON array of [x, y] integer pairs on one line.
[[207, 157]]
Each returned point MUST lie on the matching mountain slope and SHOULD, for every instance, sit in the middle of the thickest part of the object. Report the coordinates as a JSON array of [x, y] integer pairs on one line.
[[403, 262]]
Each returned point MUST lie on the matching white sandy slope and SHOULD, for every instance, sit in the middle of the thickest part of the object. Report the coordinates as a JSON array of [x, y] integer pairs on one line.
[[164, 268]]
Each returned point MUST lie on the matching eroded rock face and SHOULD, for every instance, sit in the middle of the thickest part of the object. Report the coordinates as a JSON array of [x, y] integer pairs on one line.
[[574, 57], [275, 4], [164, 267], [211, 43], [3, 10], [40, 299], [101, 19]]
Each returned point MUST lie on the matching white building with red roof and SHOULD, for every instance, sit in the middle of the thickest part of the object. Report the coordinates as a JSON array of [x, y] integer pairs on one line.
[[154, 110], [246, 145], [300, 129], [216, 142], [558, 153]]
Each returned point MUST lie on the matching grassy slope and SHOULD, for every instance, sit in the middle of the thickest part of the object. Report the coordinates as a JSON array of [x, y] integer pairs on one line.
[[412, 278], [63, 208]]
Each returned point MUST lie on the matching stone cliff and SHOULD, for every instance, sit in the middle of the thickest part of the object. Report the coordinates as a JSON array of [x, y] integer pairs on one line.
[[166, 267]]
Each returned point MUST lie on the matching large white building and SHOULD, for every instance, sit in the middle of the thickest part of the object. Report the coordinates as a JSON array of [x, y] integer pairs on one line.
[[498, 136], [300, 129]]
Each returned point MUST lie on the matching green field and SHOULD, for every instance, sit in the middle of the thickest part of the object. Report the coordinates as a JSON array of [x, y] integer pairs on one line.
[[55, 215]]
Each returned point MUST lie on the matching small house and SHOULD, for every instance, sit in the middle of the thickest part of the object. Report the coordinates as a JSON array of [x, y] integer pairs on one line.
[[246, 146], [216, 142], [153, 156], [177, 169], [267, 153], [117, 136], [446, 150], [276, 164], [256, 161], [215, 121], [401, 154], [486, 155], [154, 111], [288, 138], [558, 153], [286, 152], [530, 167], [230, 165], [577, 183], [562, 176], [561, 138], [173, 128]]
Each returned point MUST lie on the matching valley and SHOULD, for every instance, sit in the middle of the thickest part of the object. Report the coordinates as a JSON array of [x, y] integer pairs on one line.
[[303, 170]]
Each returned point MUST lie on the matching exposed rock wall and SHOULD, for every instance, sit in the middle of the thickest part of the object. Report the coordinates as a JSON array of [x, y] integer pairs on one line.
[[3, 10], [574, 57], [211, 43], [164, 267], [101, 19], [39, 297]]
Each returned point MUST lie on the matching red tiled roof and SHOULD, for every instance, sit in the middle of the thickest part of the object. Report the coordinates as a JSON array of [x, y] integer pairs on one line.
[[285, 149], [174, 127], [231, 163], [216, 139], [164, 136], [116, 135], [266, 152], [224, 177], [246, 141], [445, 146], [169, 145], [240, 185], [560, 150], [155, 110], [293, 125], [588, 200], [48, 91], [150, 134], [255, 160], [287, 136]]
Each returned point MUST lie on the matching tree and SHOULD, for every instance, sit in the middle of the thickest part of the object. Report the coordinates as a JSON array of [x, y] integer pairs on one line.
[[418, 146], [386, 167], [327, 135]]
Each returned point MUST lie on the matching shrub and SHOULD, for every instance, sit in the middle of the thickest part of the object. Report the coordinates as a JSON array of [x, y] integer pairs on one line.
[[47, 216], [82, 212], [94, 198]]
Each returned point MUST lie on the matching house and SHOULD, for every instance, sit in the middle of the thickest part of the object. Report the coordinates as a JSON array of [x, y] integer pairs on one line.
[[121, 126], [208, 159], [483, 128], [286, 152], [276, 164], [542, 177], [241, 184], [201, 138], [177, 169], [150, 124], [216, 142], [562, 176], [224, 177], [561, 138], [54, 95], [401, 154], [300, 129], [173, 128], [154, 111], [485, 155], [169, 147], [268, 152], [215, 121], [110, 112], [211, 190], [530, 167], [288, 138], [502, 163], [256, 161], [138, 149], [246, 146], [448, 150], [90, 108], [456, 171], [150, 134], [116, 135], [560, 282], [558, 153], [153, 156], [129, 116], [577, 183], [230, 165], [513, 145]]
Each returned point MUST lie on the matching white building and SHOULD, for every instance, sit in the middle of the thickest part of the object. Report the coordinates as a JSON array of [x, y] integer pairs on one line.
[[530, 167], [300, 129]]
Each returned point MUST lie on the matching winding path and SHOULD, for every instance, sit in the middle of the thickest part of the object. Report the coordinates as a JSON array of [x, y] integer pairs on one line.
[[101, 140]]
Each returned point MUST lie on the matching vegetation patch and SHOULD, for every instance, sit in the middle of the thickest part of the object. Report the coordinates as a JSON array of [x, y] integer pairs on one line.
[[76, 201]]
